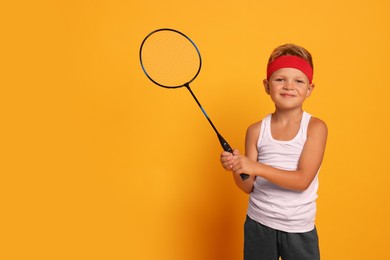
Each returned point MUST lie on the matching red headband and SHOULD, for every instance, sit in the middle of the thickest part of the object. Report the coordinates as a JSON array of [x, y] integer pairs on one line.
[[289, 61]]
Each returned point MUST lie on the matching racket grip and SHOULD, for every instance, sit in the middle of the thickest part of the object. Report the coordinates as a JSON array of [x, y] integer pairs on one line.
[[244, 176], [226, 147]]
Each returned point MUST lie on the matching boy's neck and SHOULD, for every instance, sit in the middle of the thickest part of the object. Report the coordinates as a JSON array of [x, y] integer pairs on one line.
[[287, 116]]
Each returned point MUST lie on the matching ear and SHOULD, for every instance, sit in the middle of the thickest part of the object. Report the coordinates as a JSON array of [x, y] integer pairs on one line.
[[310, 89], [266, 86]]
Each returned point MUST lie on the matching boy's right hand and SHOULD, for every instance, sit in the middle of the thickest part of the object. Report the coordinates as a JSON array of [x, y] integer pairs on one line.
[[227, 160]]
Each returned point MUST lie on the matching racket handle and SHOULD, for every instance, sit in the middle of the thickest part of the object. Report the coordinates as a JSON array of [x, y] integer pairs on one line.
[[226, 147], [244, 176]]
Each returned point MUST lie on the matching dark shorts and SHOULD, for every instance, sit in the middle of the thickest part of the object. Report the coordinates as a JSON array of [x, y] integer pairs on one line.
[[264, 243]]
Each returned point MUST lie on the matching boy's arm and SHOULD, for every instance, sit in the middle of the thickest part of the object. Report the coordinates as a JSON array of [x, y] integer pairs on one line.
[[308, 165]]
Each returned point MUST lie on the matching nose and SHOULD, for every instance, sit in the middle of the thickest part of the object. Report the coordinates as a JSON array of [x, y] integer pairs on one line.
[[289, 85]]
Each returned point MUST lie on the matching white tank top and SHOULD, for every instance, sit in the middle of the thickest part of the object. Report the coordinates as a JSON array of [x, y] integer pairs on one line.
[[276, 207]]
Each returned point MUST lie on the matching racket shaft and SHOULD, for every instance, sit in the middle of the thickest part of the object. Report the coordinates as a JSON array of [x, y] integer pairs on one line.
[[226, 147]]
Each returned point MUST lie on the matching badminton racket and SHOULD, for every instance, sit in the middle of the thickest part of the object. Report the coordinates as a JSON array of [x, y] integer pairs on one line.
[[170, 59]]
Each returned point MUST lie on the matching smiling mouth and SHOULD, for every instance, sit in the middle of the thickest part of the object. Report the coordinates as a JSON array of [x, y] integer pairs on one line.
[[287, 95]]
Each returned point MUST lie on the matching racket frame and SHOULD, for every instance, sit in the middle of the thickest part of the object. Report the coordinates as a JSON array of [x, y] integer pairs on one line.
[[185, 36]]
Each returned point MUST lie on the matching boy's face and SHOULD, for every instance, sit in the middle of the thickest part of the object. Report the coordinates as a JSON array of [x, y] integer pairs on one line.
[[288, 87]]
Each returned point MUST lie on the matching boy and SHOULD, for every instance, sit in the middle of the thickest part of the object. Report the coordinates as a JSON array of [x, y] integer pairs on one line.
[[284, 152]]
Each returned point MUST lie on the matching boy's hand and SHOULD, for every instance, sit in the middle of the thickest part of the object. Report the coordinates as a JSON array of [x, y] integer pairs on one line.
[[227, 160], [242, 164]]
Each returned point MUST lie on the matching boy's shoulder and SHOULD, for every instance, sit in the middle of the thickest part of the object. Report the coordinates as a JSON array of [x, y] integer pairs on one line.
[[317, 121], [255, 125], [254, 129], [317, 125]]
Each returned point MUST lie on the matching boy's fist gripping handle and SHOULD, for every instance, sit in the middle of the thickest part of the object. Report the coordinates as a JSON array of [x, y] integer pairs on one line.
[[226, 147]]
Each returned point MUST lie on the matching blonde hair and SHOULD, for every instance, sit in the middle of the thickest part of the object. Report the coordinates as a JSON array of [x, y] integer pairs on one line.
[[291, 49]]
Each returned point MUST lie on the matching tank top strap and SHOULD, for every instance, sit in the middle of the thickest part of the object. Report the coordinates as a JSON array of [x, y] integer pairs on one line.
[[265, 128], [305, 124]]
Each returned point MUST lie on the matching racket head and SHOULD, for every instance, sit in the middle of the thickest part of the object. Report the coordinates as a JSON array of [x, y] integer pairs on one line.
[[169, 58]]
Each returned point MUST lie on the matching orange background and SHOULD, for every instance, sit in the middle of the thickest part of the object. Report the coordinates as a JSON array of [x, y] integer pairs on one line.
[[99, 163]]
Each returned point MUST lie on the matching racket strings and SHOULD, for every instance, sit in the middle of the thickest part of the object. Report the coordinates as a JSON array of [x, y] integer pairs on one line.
[[170, 59]]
